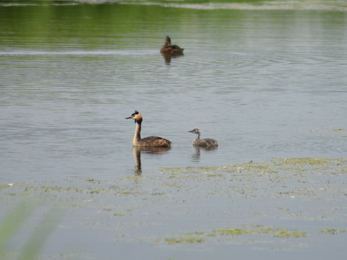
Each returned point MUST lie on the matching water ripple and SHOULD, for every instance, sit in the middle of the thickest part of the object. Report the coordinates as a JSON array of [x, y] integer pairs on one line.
[[266, 5]]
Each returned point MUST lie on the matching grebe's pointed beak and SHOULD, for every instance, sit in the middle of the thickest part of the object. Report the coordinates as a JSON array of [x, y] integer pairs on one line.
[[129, 117]]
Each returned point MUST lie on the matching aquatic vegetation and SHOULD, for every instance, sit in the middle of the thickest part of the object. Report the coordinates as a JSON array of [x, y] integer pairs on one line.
[[5, 186], [173, 185], [189, 169], [331, 231], [236, 168], [187, 189], [132, 178], [337, 130], [157, 193], [273, 166], [284, 233], [184, 240], [52, 188], [309, 161], [93, 180], [195, 234], [259, 229], [328, 231], [232, 231], [246, 230]]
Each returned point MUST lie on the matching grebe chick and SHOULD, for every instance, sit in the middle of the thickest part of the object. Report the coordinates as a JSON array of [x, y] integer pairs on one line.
[[208, 142], [151, 141], [170, 49]]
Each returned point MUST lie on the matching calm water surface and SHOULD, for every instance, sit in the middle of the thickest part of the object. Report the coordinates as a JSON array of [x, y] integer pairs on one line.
[[264, 83]]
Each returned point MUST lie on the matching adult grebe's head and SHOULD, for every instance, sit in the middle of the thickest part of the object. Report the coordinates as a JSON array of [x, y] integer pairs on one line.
[[195, 131], [136, 116]]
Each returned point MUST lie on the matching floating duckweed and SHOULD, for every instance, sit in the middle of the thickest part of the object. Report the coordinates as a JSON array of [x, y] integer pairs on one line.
[[249, 167], [284, 233], [310, 161], [215, 175], [274, 166], [253, 230], [184, 240], [337, 130], [232, 231], [174, 185], [118, 214], [52, 188], [4, 186], [188, 169], [93, 180], [157, 193], [328, 231], [124, 193], [195, 234], [132, 178]]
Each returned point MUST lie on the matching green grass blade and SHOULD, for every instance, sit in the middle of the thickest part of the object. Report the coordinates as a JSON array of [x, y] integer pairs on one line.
[[14, 220], [41, 234]]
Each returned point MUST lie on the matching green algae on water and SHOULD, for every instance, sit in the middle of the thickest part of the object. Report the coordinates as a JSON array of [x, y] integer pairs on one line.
[[232, 231], [284, 233], [247, 230], [331, 231], [309, 161], [184, 240], [337, 130]]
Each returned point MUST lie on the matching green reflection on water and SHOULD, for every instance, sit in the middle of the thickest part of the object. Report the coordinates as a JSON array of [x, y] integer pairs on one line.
[[74, 24]]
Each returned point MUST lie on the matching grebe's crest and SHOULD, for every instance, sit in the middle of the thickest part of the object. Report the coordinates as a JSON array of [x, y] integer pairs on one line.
[[136, 116]]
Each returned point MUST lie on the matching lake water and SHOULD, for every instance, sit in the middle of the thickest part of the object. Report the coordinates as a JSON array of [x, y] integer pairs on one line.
[[265, 79]]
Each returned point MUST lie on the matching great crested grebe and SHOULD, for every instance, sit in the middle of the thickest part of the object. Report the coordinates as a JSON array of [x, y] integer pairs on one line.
[[170, 49], [151, 141], [203, 142]]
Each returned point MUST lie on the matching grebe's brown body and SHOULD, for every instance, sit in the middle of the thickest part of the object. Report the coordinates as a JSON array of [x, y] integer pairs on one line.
[[167, 48], [208, 142], [151, 141]]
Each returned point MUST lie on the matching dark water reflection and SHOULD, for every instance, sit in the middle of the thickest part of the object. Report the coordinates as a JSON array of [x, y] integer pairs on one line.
[[168, 56]]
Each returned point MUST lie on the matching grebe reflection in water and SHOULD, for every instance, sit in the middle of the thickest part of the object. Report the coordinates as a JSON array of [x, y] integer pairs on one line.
[[137, 150], [198, 149]]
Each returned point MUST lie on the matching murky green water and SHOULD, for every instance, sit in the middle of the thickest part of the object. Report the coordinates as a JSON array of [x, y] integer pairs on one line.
[[266, 79]]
